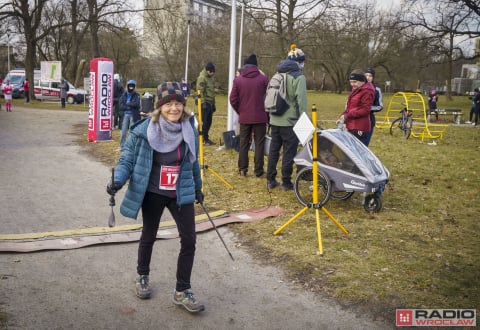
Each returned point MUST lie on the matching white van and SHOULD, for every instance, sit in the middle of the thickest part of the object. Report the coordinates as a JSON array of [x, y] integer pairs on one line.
[[50, 91], [17, 78]]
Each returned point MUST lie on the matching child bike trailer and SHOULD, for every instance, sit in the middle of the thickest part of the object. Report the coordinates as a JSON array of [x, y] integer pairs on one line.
[[345, 166]]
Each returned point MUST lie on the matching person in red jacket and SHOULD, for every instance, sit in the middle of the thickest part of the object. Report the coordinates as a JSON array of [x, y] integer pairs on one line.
[[26, 90], [247, 99], [356, 116]]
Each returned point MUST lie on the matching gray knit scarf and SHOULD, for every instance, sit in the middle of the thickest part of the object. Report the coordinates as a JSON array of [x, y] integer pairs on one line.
[[165, 136]]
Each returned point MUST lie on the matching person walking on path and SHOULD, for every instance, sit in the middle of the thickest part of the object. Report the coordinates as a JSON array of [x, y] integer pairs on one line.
[[282, 126], [117, 93], [129, 104], [356, 116], [7, 93], [26, 90], [64, 88], [377, 102], [160, 158], [247, 99], [206, 86]]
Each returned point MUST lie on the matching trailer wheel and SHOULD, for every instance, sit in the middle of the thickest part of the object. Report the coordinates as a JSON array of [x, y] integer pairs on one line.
[[303, 187], [372, 204]]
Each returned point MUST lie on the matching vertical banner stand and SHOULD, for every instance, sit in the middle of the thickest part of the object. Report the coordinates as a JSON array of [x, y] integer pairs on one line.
[[101, 100], [201, 157], [315, 205]]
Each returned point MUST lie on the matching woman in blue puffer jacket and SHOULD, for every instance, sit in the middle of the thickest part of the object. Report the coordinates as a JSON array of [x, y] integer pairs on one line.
[[160, 160]]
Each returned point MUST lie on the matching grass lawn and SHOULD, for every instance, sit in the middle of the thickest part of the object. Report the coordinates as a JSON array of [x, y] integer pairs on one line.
[[421, 251]]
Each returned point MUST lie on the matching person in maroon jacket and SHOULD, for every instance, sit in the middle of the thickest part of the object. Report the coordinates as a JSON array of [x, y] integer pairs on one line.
[[356, 116], [247, 99]]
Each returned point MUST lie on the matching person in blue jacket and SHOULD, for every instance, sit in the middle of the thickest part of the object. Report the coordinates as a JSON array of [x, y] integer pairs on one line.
[[129, 104], [160, 160]]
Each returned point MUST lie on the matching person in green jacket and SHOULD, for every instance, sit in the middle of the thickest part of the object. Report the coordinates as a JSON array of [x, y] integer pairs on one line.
[[206, 86], [282, 126]]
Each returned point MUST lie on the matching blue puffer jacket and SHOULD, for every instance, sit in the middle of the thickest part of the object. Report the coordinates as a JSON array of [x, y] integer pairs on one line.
[[135, 163]]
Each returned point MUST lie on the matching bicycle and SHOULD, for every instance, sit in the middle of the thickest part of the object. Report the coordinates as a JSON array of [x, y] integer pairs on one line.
[[402, 125]]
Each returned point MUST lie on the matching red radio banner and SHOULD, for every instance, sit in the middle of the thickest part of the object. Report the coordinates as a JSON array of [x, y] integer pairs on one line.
[[101, 100]]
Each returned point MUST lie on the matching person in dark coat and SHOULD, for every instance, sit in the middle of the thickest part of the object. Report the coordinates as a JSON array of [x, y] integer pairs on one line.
[[247, 99], [377, 101], [117, 93], [432, 103], [129, 109], [64, 88]]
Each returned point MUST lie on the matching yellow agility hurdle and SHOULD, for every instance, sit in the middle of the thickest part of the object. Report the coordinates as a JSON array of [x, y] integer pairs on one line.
[[415, 103]]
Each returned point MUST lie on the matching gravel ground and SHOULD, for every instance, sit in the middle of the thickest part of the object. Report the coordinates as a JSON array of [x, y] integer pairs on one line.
[[48, 184]]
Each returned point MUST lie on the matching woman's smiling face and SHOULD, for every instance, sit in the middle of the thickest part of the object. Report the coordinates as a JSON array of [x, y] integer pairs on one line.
[[172, 111]]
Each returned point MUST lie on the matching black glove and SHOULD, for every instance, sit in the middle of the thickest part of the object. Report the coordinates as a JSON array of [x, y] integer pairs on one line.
[[199, 196], [112, 189]]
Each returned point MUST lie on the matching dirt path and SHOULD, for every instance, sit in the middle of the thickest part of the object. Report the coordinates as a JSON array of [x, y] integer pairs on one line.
[[48, 184]]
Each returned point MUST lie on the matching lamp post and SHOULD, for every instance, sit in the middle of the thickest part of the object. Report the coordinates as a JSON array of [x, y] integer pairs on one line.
[[188, 46], [8, 49]]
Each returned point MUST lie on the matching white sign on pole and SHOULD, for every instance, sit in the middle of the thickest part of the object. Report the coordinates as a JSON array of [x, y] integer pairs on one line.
[[51, 70], [304, 129]]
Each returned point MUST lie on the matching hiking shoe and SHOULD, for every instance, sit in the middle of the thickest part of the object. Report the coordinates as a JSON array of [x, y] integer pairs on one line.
[[287, 186], [208, 142], [142, 288], [272, 184], [187, 300], [242, 172]]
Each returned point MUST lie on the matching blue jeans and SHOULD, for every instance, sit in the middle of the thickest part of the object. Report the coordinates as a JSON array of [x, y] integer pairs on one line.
[[127, 122]]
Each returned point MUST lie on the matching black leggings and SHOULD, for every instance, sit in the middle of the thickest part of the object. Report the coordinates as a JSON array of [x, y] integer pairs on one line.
[[152, 210]]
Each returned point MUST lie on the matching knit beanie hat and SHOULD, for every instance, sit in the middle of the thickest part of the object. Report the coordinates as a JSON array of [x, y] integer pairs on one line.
[[296, 54], [252, 59], [169, 91], [210, 67], [371, 71]]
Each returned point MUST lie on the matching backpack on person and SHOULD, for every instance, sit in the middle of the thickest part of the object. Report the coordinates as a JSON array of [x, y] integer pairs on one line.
[[276, 102]]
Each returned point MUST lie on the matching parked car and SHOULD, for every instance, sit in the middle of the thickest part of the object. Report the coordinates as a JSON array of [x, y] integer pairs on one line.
[[50, 91], [17, 78]]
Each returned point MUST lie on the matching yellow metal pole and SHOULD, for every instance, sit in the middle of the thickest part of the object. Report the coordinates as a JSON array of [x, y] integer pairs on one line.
[[319, 232], [315, 177], [339, 225], [295, 217], [201, 159]]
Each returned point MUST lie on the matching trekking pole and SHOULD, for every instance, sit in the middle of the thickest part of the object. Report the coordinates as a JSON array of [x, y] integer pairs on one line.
[[220, 236], [111, 218]]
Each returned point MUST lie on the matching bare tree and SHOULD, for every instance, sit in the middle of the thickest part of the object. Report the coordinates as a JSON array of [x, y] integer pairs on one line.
[[286, 20], [440, 23], [28, 18]]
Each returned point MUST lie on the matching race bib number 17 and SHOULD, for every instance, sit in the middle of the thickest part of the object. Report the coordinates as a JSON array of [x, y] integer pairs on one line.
[[169, 177]]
